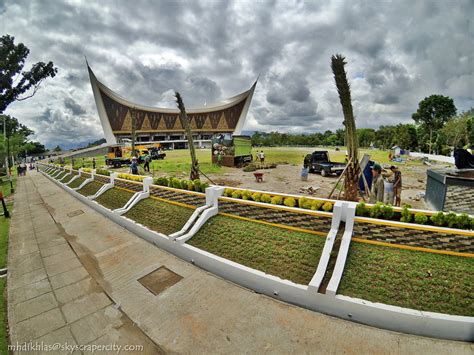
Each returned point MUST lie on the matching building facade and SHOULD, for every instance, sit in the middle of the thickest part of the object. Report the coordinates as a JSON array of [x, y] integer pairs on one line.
[[163, 125]]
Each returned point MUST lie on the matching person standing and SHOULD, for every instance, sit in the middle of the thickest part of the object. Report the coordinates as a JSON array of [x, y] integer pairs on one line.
[[262, 156], [93, 163], [397, 185], [23, 168], [147, 162], [377, 190], [134, 166]]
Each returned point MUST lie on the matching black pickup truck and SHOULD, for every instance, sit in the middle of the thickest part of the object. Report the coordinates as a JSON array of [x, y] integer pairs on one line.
[[319, 162]]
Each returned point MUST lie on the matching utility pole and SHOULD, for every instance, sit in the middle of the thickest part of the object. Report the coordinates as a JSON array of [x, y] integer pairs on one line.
[[133, 113]]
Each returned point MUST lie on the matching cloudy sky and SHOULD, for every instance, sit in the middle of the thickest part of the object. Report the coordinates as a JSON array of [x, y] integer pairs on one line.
[[398, 52]]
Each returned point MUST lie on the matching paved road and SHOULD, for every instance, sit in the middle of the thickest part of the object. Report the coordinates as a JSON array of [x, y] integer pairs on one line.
[[73, 277]]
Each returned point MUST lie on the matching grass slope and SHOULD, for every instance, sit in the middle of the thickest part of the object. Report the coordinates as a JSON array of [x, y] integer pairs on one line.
[[276, 251], [160, 216], [114, 198], [411, 279], [77, 182], [4, 227], [91, 188]]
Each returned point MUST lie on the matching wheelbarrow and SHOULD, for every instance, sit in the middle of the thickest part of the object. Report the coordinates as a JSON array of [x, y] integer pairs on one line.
[[258, 177]]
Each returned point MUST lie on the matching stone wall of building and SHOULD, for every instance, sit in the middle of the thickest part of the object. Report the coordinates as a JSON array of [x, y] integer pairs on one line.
[[415, 237], [188, 198], [303, 220], [459, 199]]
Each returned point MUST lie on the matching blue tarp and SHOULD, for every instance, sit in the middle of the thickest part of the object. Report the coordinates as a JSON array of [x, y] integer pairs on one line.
[[368, 176]]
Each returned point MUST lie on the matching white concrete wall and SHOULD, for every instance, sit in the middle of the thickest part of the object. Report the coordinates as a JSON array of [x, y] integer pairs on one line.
[[440, 158], [375, 314]]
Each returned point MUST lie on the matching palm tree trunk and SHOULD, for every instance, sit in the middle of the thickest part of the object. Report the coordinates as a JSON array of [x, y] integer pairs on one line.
[[351, 181], [185, 123]]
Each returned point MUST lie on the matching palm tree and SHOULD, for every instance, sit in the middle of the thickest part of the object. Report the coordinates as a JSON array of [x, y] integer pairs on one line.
[[351, 179], [185, 123]]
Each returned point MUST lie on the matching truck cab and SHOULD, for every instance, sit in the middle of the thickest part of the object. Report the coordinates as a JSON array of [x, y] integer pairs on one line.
[[319, 162]]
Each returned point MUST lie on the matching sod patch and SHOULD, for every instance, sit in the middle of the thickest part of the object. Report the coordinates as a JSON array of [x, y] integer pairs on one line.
[[114, 198], [160, 216], [412, 279], [66, 180], [287, 254], [60, 176], [91, 188], [77, 182]]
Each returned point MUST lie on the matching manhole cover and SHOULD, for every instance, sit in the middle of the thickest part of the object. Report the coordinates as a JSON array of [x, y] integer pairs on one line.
[[75, 213], [159, 280]]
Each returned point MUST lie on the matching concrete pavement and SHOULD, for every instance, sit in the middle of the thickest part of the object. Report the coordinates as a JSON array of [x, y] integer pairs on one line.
[[74, 276]]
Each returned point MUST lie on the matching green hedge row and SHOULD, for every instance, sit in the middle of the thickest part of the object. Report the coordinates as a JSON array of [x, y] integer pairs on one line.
[[302, 202], [440, 219], [195, 185]]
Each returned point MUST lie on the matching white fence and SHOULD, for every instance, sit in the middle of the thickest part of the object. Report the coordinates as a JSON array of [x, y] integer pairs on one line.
[[440, 158]]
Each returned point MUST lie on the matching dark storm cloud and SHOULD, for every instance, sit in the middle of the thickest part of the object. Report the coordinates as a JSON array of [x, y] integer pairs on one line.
[[73, 106], [397, 53]]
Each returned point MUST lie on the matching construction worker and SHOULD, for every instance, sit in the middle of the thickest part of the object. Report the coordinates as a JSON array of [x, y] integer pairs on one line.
[[377, 190], [397, 185]]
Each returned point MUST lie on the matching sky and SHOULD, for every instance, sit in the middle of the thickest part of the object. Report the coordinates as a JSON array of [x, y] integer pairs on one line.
[[398, 52]]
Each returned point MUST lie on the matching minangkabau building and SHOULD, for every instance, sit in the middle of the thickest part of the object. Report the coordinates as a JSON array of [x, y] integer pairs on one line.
[[163, 125]]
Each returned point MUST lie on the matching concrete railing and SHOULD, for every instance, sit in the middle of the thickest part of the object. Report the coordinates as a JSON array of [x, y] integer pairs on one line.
[[362, 311]]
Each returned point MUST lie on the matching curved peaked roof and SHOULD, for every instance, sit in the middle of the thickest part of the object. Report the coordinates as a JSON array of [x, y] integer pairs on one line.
[[114, 112]]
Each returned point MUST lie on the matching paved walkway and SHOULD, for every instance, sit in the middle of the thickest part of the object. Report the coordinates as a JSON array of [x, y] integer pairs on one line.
[[73, 277]]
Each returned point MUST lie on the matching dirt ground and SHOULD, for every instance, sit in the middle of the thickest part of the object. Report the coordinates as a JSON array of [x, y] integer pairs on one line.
[[286, 179]]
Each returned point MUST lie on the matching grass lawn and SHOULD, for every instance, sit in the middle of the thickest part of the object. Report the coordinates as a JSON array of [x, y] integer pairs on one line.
[[160, 216], [114, 198], [287, 254], [4, 227], [60, 176], [77, 182], [411, 279], [91, 188]]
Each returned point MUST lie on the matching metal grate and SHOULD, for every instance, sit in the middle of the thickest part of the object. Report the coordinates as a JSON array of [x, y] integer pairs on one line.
[[159, 280]]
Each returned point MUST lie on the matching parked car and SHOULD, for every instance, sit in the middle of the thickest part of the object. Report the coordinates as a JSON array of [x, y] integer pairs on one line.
[[319, 162]]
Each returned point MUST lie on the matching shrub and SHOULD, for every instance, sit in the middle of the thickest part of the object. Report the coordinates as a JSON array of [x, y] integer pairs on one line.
[[290, 202], [131, 177], [463, 221], [87, 170], [438, 219], [316, 205], [407, 216], [327, 207], [197, 185], [256, 196], [387, 211], [376, 211], [236, 194], [361, 209], [176, 183], [190, 186], [250, 168], [204, 186], [304, 202], [266, 198], [102, 172], [421, 218], [228, 192], [246, 195], [450, 220], [277, 200], [184, 184]]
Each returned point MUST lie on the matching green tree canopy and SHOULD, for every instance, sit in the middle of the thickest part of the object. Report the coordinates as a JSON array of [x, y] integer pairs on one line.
[[14, 81], [433, 112]]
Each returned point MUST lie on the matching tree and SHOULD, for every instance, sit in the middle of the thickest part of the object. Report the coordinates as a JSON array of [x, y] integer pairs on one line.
[[432, 113], [185, 123], [57, 149], [351, 180], [14, 82]]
